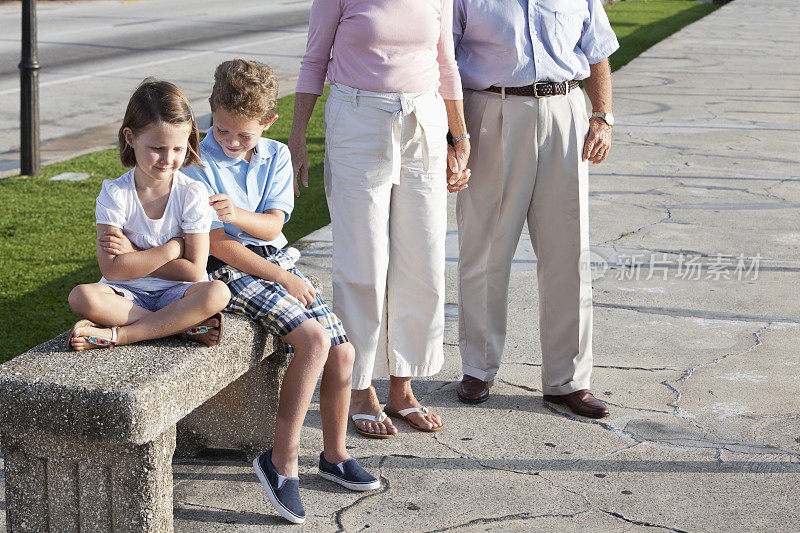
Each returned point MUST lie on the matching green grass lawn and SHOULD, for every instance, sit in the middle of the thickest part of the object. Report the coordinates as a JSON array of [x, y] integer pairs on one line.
[[639, 24], [47, 228]]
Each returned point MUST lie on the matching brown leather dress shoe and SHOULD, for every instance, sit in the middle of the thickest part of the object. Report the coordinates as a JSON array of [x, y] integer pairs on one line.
[[580, 402], [472, 390]]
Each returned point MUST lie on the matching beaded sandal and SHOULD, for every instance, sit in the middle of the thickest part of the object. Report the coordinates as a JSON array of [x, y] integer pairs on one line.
[[97, 342], [192, 333]]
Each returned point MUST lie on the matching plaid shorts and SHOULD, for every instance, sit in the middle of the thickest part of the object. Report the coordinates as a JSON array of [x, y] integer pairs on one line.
[[270, 304]]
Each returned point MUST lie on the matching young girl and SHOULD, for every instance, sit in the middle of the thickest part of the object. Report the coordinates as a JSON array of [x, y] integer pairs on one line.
[[152, 234]]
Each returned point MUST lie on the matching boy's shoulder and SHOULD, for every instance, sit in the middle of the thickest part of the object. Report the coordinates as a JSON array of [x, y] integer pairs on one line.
[[268, 148], [211, 152]]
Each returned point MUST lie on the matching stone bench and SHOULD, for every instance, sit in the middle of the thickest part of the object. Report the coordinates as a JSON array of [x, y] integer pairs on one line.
[[88, 437]]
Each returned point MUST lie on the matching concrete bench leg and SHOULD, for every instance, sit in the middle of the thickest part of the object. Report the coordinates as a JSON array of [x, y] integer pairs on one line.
[[69, 485], [239, 417]]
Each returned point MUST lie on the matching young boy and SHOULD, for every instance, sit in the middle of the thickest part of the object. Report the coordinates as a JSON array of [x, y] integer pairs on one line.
[[250, 181]]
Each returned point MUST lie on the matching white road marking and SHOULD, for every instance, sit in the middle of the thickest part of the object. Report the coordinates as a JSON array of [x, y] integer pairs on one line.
[[106, 72]]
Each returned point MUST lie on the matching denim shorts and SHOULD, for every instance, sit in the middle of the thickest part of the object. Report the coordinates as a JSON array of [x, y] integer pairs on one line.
[[151, 300]]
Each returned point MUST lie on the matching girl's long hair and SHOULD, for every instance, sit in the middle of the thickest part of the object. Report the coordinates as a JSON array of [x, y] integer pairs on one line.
[[157, 101]]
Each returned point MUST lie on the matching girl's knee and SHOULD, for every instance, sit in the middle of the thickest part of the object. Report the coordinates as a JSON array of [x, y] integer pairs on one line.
[[215, 296], [219, 294], [82, 298]]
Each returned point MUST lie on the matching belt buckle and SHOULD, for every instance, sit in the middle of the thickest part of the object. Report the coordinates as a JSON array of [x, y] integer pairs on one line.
[[536, 89]]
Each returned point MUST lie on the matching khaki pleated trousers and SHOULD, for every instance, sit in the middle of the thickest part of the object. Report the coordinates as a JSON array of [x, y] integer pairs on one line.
[[526, 165], [385, 156]]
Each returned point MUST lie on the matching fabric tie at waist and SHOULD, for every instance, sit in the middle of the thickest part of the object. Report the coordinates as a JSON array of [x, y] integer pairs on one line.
[[400, 105]]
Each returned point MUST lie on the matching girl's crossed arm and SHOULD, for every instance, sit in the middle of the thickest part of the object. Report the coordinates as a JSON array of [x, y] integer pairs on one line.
[[180, 259], [190, 267], [136, 264]]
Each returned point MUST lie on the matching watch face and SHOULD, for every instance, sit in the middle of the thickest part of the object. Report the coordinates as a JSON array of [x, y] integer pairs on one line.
[[608, 118]]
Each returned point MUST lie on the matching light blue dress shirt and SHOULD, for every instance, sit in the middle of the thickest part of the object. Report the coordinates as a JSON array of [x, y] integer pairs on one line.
[[262, 184], [518, 42]]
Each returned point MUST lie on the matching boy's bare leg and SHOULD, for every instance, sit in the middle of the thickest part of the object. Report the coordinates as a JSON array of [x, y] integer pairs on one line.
[[311, 343], [365, 401], [200, 301], [334, 399], [402, 397]]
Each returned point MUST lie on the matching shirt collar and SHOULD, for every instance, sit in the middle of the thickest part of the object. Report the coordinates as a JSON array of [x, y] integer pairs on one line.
[[262, 151]]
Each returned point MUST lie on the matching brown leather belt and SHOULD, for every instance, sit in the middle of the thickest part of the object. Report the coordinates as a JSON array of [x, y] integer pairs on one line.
[[538, 90]]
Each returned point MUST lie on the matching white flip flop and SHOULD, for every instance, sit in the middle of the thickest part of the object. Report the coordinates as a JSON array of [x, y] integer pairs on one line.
[[379, 418]]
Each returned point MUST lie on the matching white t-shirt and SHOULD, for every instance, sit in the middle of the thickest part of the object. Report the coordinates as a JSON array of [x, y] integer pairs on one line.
[[187, 211]]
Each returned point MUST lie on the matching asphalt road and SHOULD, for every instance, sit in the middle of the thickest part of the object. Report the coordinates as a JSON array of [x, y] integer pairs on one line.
[[93, 54]]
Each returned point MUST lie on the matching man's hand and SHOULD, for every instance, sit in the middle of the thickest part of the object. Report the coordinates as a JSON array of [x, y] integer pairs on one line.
[[299, 288], [299, 151], [114, 242], [224, 207], [598, 141], [456, 179]]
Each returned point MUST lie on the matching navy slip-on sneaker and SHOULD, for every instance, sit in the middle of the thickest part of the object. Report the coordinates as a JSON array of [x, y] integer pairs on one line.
[[283, 492], [348, 474]]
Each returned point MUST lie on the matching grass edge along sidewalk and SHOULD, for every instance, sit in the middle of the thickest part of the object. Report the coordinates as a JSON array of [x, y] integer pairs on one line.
[[47, 227]]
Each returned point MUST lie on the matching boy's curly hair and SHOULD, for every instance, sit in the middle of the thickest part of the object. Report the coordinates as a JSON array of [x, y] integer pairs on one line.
[[245, 88]]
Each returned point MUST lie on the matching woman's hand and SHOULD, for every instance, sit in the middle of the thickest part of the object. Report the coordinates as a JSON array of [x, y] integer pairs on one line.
[[303, 107], [457, 172], [114, 242], [299, 150]]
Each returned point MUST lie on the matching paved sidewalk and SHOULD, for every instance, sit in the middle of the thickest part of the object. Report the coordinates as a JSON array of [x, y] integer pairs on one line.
[[696, 354], [701, 374]]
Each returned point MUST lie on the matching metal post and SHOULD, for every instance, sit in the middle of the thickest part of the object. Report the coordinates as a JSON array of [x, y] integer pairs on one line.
[[30, 156]]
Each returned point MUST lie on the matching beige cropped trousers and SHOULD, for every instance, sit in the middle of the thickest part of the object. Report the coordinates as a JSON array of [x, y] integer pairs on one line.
[[385, 156], [526, 165]]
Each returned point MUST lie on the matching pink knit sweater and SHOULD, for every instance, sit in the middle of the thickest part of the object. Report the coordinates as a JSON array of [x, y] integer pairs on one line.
[[381, 45]]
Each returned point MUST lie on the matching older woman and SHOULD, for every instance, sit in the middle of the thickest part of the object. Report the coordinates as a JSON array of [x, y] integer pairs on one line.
[[395, 91]]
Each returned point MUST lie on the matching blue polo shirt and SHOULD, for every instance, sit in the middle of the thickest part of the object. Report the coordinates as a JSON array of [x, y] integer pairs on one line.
[[262, 184]]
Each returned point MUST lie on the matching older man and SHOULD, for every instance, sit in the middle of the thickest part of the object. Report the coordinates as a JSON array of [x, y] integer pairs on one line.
[[520, 63]]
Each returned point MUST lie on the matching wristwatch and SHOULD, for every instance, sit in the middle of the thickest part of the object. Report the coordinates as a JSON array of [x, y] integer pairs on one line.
[[608, 118], [452, 142]]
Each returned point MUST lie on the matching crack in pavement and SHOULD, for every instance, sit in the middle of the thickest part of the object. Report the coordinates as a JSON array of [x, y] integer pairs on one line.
[[629, 233], [614, 367], [709, 438], [533, 516], [705, 440], [338, 515], [538, 473], [768, 190], [620, 516], [688, 373], [507, 518], [603, 456], [698, 313], [435, 390]]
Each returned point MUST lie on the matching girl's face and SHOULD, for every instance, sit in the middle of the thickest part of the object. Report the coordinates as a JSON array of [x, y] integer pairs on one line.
[[237, 135], [160, 148]]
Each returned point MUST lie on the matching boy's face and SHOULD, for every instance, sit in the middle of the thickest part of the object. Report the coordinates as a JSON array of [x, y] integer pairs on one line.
[[236, 134]]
